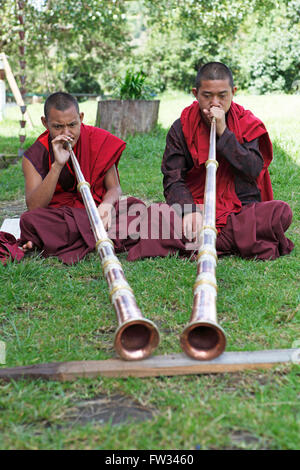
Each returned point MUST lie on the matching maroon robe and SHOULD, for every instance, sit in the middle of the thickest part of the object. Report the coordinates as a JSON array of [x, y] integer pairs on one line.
[[9, 248]]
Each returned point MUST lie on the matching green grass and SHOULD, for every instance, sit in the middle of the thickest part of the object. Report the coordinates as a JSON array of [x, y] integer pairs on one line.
[[51, 312]]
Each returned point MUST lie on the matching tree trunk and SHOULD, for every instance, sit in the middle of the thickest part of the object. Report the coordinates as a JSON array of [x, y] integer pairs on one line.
[[124, 117]]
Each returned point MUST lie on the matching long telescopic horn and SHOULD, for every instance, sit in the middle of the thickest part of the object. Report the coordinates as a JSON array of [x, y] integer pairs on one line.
[[203, 338], [136, 337]]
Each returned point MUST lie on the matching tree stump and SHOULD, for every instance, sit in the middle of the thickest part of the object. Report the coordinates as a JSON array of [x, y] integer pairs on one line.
[[125, 117]]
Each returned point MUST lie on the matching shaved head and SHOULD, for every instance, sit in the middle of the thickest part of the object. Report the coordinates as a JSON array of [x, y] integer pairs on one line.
[[60, 101], [214, 71]]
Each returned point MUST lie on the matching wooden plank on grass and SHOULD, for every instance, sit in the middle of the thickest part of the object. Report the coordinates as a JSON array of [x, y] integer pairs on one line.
[[168, 365]]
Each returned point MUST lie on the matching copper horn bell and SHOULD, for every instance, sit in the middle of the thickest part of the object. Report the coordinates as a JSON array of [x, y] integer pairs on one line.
[[136, 337], [203, 338]]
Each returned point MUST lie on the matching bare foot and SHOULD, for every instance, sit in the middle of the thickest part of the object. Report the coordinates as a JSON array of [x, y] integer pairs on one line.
[[27, 247]]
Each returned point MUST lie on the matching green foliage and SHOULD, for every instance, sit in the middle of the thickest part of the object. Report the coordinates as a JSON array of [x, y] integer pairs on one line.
[[81, 46], [259, 40], [80, 80], [271, 64], [134, 87], [90, 36]]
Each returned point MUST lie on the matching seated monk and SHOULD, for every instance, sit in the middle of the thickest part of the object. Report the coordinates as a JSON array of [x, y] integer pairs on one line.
[[56, 222], [249, 222]]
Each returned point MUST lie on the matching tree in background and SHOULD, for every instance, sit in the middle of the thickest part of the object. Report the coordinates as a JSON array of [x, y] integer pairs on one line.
[[272, 63], [74, 45], [86, 46], [258, 39]]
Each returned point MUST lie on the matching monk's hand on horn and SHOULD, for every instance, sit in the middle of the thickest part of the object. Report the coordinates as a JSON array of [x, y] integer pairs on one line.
[[28, 246], [191, 226], [218, 113], [60, 149], [105, 212]]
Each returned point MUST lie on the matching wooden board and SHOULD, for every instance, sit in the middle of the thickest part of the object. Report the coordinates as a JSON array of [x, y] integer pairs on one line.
[[168, 365]]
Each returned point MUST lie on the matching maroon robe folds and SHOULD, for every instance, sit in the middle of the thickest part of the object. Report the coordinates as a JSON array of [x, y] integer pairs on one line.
[[9, 248], [257, 231], [65, 232]]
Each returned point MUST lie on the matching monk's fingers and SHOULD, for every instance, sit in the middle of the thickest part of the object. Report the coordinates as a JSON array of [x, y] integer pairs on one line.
[[106, 217], [188, 230], [27, 246], [215, 108], [107, 221], [196, 236], [62, 138], [217, 112]]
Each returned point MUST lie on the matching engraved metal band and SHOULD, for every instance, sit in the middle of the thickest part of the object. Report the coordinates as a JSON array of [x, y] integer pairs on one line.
[[103, 240], [206, 252], [205, 281], [119, 287], [83, 183], [215, 162], [110, 261]]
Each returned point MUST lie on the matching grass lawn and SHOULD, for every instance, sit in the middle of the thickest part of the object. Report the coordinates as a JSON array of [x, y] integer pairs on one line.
[[50, 312]]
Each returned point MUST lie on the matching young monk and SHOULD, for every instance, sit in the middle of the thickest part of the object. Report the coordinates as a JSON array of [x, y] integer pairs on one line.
[[56, 221], [250, 223], [49, 178]]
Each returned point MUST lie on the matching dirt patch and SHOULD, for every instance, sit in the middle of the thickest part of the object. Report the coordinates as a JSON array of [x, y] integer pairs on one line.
[[242, 438], [12, 209], [115, 409]]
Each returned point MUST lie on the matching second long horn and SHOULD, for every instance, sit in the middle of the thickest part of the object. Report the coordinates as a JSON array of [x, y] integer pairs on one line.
[[203, 338]]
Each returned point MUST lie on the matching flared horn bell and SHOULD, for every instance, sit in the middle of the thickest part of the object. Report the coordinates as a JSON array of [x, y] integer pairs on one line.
[[203, 340], [136, 339]]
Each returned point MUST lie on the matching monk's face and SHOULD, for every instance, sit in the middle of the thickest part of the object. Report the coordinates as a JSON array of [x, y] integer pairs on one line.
[[216, 93], [66, 122]]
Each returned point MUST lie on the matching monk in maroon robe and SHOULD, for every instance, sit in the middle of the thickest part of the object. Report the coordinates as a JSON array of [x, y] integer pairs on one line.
[[249, 222], [56, 222]]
